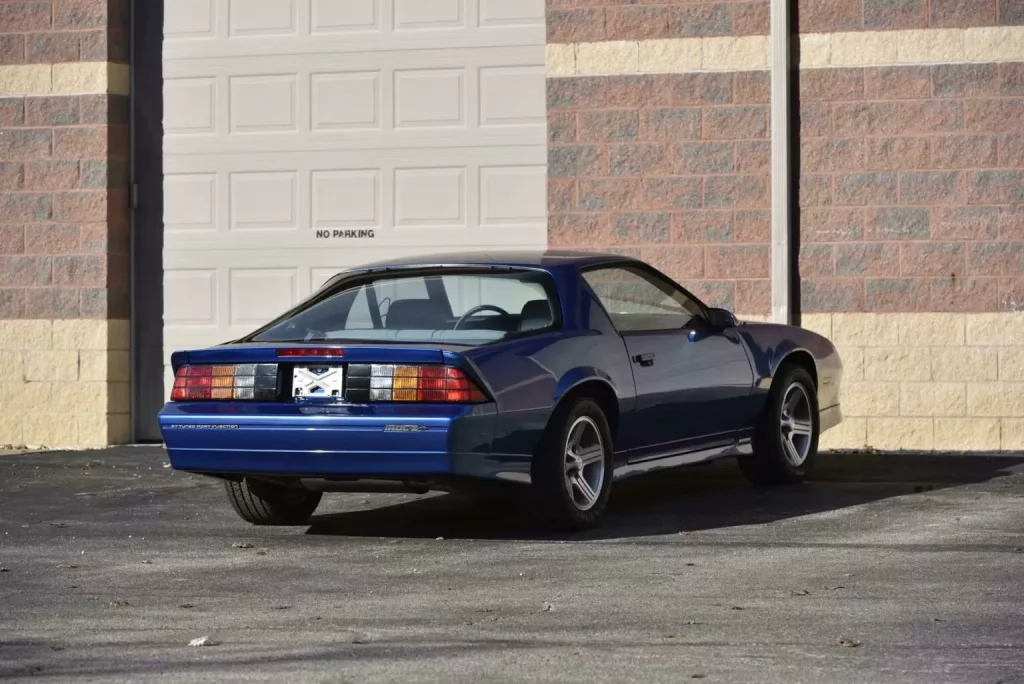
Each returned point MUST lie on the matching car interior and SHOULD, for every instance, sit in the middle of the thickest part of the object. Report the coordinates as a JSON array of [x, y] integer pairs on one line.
[[467, 309]]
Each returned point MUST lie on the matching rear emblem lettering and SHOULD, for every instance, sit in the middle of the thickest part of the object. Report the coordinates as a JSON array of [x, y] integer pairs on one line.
[[202, 427], [405, 428]]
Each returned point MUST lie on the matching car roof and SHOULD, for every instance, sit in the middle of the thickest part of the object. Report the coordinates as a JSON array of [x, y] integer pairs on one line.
[[543, 259]]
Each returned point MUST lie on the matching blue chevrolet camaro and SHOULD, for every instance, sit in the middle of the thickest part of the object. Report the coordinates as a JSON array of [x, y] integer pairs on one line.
[[550, 373]]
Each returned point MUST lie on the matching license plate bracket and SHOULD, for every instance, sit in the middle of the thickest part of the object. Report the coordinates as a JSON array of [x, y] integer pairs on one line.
[[318, 381]]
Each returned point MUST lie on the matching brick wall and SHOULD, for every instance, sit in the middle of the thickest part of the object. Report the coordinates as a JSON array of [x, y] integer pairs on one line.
[[671, 167], [833, 16], [64, 218], [910, 196], [911, 179], [576, 21], [911, 223]]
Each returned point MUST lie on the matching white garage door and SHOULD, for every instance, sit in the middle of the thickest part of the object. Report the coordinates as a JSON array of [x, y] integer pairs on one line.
[[303, 136]]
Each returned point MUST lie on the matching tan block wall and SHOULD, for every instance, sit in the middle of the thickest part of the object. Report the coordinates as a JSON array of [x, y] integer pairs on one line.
[[924, 381], [64, 383]]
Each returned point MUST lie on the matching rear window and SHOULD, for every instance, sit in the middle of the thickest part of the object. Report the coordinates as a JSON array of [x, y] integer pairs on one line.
[[437, 306]]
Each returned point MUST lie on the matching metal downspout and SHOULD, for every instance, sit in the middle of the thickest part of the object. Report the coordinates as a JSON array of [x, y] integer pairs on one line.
[[133, 346], [781, 268]]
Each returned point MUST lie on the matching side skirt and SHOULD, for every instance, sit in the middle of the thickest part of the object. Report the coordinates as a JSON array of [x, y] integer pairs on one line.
[[737, 446]]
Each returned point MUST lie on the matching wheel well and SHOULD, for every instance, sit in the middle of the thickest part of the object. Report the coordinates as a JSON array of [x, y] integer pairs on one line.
[[803, 360], [602, 393]]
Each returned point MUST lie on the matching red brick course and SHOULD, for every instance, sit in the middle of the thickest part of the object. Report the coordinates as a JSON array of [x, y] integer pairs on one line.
[[573, 21], [578, 21], [830, 16], [64, 215], [64, 31], [671, 168], [911, 189]]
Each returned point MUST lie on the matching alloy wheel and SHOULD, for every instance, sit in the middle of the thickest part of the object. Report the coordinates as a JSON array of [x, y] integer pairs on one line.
[[796, 424], [584, 463]]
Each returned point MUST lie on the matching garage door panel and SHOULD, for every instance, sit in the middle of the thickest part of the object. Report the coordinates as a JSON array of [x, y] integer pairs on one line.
[[512, 96], [262, 17], [450, 55], [345, 16], [342, 142], [513, 195], [190, 297], [521, 233], [256, 295], [190, 202], [427, 98], [190, 106], [346, 100], [215, 28], [187, 20], [303, 137], [356, 43], [429, 14], [442, 102], [266, 201], [481, 197], [328, 258], [507, 13], [346, 198], [263, 103]]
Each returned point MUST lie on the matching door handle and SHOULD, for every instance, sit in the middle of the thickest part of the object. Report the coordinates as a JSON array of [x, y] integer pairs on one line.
[[644, 359]]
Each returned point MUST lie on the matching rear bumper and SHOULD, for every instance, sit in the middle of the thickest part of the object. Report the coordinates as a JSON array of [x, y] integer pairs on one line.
[[311, 464], [323, 441]]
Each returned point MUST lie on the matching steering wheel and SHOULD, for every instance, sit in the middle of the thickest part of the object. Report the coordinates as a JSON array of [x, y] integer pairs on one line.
[[478, 309]]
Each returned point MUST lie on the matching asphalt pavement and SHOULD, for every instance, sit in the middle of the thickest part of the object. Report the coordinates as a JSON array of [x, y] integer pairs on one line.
[[883, 569]]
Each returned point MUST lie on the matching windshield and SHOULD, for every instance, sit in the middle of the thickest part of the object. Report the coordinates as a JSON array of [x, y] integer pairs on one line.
[[435, 306]]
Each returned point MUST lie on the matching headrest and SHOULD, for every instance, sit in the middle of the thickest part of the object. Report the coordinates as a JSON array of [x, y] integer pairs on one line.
[[414, 314], [536, 314]]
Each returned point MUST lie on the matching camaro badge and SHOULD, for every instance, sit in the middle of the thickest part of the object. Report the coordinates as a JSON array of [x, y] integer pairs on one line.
[[405, 428]]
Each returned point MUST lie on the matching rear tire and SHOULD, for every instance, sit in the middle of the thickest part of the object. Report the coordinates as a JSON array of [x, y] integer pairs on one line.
[[572, 470], [786, 438], [263, 503]]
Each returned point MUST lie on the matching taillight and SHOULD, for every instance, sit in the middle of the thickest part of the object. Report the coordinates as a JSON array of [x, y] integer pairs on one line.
[[388, 382], [234, 382]]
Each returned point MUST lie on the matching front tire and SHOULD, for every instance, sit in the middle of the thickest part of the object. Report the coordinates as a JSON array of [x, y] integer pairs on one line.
[[786, 438], [263, 503], [572, 470]]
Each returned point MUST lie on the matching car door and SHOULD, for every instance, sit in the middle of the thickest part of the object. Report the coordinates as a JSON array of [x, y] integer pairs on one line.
[[693, 381]]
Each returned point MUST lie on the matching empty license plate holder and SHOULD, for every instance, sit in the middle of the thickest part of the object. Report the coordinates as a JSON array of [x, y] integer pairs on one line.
[[318, 381]]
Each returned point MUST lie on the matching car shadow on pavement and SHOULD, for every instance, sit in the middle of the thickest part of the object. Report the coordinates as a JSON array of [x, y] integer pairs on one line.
[[706, 497]]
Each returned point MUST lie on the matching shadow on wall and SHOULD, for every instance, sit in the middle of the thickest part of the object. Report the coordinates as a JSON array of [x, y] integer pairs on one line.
[[700, 498]]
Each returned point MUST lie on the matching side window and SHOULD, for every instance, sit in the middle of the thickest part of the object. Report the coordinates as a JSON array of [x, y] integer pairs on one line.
[[467, 291], [393, 290], [637, 301]]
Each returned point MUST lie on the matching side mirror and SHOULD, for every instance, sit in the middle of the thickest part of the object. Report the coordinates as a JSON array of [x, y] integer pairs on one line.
[[720, 318]]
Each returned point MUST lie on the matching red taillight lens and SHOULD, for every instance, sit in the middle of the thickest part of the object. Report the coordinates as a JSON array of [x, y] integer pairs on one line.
[[226, 382], [364, 383], [435, 384]]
